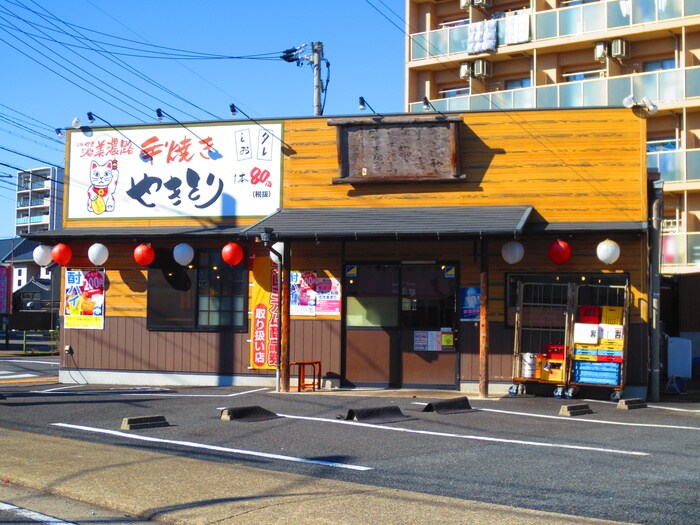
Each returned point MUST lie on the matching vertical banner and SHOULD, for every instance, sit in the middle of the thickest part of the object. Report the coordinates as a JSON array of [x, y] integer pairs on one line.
[[84, 298], [265, 317], [5, 290]]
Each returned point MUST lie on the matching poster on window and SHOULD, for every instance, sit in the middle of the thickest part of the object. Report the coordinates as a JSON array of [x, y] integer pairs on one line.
[[84, 298], [327, 296], [265, 314], [470, 303], [302, 293], [5, 290]]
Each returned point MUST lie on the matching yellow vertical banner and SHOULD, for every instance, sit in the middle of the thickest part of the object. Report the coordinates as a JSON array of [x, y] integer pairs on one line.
[[265, 314]]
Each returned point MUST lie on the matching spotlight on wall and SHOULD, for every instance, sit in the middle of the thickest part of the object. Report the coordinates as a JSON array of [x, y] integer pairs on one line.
[[645, 103]]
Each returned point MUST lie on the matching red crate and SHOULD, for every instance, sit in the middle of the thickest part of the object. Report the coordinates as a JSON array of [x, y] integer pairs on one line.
[[589, 314], [610, 359], [555, 352]]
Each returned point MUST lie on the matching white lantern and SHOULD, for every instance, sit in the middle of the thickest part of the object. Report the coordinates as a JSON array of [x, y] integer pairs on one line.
[[98, 254], [183, 254], [42, 255], [512, 252], [608, 251], [279, 248]]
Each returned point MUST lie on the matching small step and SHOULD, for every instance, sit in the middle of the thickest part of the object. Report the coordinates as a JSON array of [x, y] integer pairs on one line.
[[575, 410], [134, 423]]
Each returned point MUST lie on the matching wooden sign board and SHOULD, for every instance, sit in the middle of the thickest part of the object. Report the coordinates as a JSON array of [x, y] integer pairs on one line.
[[399, 150]]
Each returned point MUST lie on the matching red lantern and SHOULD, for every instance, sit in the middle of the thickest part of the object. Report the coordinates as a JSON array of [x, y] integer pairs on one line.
[[144, 254], [61, 254], [559, 251], [232, 253]]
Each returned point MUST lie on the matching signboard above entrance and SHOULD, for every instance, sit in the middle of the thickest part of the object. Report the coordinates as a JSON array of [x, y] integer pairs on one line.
[[398, 150]]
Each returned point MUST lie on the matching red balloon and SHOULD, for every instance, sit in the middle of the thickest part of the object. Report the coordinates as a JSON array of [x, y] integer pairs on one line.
[[232, 253], [559, 251], [61, 254], [144, 254]]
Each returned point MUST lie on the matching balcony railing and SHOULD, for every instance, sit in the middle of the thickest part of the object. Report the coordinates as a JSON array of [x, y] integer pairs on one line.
[[555, 23], [676, 165], [680, 249], [668, 85]]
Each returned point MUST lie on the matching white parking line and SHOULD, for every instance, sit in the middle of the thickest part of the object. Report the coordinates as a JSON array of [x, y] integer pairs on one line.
[[586, 420], [61, 391], [471, 437], [192, 444], [31, 515]]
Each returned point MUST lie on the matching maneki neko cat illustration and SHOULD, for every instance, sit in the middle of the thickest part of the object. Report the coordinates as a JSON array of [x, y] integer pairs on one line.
[[103, 184]]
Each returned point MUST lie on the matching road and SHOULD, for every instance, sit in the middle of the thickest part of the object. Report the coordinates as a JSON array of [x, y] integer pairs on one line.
[[19, 369], [640, 466]]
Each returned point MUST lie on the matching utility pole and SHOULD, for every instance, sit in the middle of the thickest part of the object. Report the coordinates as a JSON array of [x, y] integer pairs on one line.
[[317, 58], [296, 55]]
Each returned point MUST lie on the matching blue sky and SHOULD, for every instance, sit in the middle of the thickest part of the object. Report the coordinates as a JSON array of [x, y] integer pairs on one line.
[[52, 72]]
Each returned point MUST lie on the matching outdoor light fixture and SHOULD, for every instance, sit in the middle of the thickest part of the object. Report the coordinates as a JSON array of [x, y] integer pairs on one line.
[[364, 105], [91, 119], [76, 123], [211, 150], [265, 236], [235, 109], [427, 105], [59, 133], [646, 103]]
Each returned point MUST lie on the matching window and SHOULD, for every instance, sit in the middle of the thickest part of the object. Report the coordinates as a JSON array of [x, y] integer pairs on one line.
[[583, 75], [662, 144], [209, 295], [658, 65], [455, 92], [517, 83]]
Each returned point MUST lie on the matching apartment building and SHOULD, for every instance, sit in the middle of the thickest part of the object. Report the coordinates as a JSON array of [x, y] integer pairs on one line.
[[503, 55], [39, 200]]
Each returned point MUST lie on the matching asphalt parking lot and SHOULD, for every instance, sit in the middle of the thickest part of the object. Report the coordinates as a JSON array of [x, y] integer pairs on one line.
[[637, 465]]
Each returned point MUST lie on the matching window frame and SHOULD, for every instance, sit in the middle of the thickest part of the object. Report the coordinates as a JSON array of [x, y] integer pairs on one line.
[[165, 271]]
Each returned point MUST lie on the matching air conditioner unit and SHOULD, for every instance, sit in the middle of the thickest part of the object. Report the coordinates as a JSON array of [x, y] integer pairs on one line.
[[465, 70], [620, 48], [464, 4], [600, 51], [481, 68], [481, 3]]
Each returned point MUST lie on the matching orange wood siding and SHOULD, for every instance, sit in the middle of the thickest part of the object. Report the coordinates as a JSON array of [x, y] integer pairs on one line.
[[571, 165]]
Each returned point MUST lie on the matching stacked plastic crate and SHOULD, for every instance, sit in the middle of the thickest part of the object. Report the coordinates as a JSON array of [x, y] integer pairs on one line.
[[598, 346]]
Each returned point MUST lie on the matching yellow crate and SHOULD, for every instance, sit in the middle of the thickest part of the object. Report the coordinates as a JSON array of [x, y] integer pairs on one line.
[[611, 315], [611, 344], [581, 357], [555, 373]]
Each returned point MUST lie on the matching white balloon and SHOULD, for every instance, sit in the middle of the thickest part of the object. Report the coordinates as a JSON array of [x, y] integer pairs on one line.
[[608, 251], [183, 254], [512, 252], [98, 254], [279, 248], [42, 255]]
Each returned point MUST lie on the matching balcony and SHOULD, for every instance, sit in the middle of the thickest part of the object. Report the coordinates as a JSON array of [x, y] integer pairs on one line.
[[677, 165], [680, 252], [555, 23], [669, 85]]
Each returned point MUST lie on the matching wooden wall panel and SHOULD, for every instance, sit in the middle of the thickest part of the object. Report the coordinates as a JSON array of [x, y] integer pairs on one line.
[[316, 340], [125, 344], [565, 163]]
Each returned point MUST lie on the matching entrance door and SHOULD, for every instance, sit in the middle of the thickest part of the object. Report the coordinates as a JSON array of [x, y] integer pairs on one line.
[[401, 322]]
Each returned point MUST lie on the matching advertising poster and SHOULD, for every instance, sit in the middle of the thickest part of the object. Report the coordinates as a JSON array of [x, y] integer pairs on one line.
[[470, 303], [5, 290], [302, 293], [327, 296], [265, 317], [84, 298]]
